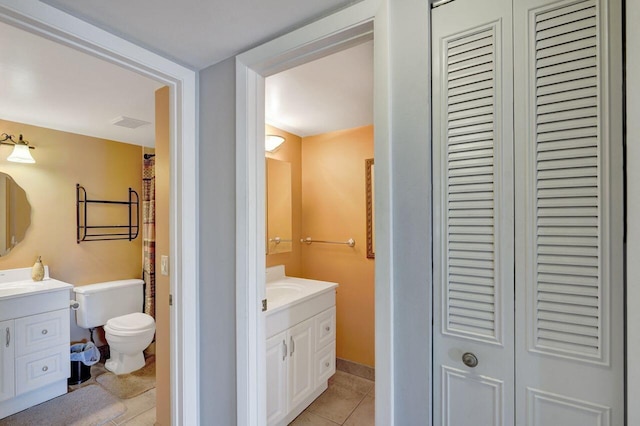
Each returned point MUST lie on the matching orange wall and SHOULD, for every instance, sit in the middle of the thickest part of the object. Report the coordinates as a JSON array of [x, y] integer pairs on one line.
[[290, 151], [334, 208], [106, 169], [163, 384]]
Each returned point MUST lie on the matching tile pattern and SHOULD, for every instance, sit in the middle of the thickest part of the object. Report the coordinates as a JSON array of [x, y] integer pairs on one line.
[[349, 400]]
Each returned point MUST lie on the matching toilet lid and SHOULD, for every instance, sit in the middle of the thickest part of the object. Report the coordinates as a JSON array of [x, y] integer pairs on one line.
[[129, 322]]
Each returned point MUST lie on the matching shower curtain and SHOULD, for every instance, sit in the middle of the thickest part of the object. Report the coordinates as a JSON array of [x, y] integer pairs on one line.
[[149, 234]]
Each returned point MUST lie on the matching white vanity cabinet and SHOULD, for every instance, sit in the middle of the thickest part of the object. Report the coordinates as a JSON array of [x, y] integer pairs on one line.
[[34, 338], [300, 360], [300, 326]]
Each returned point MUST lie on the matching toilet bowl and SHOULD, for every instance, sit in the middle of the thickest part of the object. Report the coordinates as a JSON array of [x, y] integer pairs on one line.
[[127, 336], [117, 306]]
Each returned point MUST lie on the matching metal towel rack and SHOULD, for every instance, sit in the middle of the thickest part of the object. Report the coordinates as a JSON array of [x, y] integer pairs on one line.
[[278, 240], [86, 232], [350, 242]]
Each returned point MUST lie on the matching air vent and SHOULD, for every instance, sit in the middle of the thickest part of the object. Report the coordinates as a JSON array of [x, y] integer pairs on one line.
[[128, 122]]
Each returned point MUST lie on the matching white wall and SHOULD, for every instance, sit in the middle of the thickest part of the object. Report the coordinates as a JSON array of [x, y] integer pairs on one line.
[[633, 209], [411, 208], [217, 244]]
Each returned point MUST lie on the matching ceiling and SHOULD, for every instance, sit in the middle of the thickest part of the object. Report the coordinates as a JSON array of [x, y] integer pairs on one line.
[[199, 33], [46, 84], [50, 85], [328, 94]]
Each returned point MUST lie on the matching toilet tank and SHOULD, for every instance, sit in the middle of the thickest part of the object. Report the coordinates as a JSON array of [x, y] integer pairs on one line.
[[103, 301]]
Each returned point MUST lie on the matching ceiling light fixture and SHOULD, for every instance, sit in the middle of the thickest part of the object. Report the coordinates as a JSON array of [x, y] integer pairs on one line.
[[21, 149], [273, 142]]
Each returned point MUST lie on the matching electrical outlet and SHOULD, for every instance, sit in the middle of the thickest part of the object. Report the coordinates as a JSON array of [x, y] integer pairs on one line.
[[164, 265]]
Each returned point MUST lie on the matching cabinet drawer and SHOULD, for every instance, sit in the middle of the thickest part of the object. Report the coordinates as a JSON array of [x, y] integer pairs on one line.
[[42, 368], [325, 363], [325, 328], [39, 332]]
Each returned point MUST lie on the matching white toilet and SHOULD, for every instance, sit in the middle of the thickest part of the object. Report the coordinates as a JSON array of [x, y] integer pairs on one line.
[[117, 305]]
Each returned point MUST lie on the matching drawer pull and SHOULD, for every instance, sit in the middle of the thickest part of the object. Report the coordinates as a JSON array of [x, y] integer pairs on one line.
[[44, 331], [327, 328], [326, 364], [45, 368], [284, 354], [293, 346], [8, 339]]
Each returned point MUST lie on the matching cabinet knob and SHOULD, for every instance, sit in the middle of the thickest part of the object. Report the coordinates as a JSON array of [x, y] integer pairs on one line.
[[327, 328], [44, 331], [45, 368], [326, 364]]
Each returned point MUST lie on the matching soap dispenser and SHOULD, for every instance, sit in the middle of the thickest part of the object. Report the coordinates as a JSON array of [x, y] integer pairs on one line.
[[37, 271]]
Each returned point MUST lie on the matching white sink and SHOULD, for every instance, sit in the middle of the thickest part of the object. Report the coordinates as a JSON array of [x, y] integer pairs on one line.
[[290, 300], [281, 293], [35, 295], [22, 288]]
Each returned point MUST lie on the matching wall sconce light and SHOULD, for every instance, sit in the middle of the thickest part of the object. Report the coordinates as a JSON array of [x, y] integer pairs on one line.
[[21, 149], [273, 142]]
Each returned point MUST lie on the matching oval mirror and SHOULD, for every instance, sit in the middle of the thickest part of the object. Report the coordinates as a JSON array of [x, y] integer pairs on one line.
[[15, 214]]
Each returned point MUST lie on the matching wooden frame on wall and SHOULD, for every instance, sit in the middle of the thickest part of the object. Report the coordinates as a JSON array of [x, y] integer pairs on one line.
[[369, 182]]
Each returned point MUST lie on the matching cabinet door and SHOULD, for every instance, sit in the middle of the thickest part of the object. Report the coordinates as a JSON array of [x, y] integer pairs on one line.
[[325, 328], [41, 332], [42, 368], [7, 371], [301, 356], [276, 364], [325, 364]]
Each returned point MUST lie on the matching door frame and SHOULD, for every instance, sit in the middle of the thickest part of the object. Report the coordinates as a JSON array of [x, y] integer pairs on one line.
[[48, 22], [632, 237], [348, 27]]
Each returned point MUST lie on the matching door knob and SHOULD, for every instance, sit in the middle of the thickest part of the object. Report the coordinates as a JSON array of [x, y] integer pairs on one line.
[[469, 359]]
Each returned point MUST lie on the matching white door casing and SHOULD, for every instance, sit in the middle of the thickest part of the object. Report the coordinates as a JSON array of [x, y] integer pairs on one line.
[[568, 212], [473, 212]]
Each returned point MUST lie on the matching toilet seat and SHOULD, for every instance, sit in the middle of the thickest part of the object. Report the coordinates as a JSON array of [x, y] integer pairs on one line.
[[130, 324]]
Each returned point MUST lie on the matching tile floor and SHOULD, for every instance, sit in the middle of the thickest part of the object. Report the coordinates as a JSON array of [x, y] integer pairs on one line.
[[141, 409], [348, 401]]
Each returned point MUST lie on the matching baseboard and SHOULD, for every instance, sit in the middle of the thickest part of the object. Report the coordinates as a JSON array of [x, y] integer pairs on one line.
[[356, 369]]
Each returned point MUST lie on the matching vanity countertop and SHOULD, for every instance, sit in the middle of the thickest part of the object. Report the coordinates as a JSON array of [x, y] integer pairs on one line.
[[21, 296], [291, 300], [13, 289], [288, 291]]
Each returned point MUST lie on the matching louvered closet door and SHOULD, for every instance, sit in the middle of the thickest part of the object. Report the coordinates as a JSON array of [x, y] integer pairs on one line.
[[569, 302], [473, 213]]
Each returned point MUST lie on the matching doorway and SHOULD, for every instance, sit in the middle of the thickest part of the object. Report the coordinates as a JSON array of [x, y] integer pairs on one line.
[[52, 24], [350, 27], [316, 189]]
